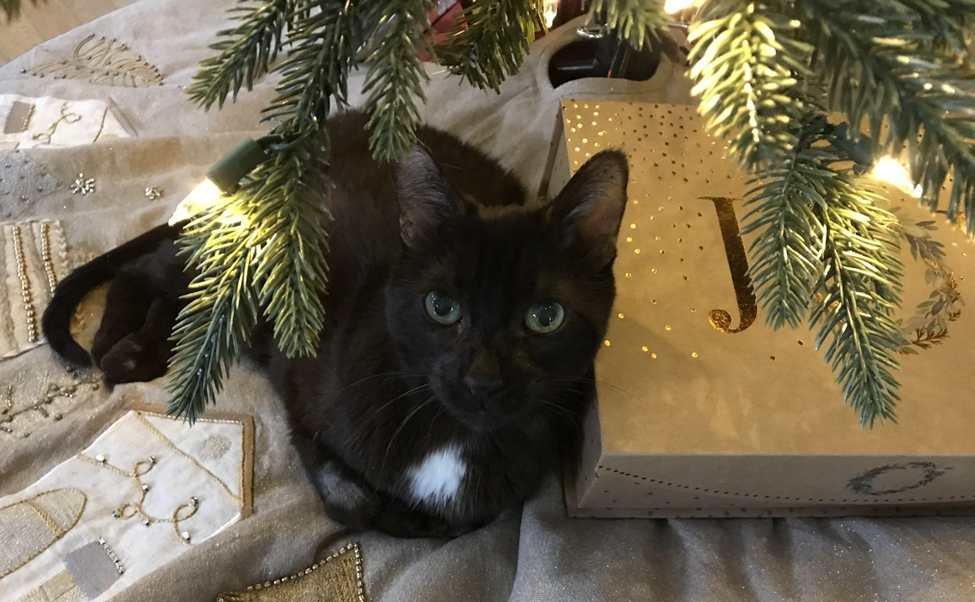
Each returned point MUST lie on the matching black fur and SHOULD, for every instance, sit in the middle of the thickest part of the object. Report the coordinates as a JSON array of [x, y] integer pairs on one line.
[[389, 385], [144, 296]]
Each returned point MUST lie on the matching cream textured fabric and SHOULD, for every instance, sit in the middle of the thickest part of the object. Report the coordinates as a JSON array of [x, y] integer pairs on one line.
[[142, 487], [533, 554]]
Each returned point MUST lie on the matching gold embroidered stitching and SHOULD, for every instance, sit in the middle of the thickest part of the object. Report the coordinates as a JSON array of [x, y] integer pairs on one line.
[[132, 509], [57, 532], [24, 286], [66, 117], [54, 391], [101, 126], [360, 590], [171, 445], [48, 521], [101, 60]]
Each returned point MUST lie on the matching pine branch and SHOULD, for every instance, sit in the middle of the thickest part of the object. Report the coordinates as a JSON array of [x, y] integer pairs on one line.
[[291, 272], [317, 68], [492, 40], [787, 254], [633, 20], [221, 309], [264, 247], [746, 62], [948, 21], [861, 289], [394, 83], [881, 61], [245, 52]]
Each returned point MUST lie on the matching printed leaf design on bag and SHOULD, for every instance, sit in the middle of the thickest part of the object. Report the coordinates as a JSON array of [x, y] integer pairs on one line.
[[103, 61], [929, 325]]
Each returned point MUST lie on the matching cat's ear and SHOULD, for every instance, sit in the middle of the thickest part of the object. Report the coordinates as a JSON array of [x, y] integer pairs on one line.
[[424, 197], [589, 209]]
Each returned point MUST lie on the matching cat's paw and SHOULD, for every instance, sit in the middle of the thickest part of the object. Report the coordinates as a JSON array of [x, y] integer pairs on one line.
[[132, 360]]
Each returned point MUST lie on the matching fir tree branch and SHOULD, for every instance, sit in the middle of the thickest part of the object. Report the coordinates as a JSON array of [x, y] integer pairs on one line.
[[861, 287], [394, 83], [787, 253], [221, 307], [291, 272], [492, 40], [880, 61], [746, 62], [245, 52], [264, 247], [322, 53], [633, 20]]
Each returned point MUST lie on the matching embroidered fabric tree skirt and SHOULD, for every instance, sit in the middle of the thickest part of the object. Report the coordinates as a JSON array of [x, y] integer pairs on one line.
[[703, 409]]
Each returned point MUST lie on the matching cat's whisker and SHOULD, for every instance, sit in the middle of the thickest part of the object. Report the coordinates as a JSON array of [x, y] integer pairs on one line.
[[364, 425], [402, 425], [390, 374]]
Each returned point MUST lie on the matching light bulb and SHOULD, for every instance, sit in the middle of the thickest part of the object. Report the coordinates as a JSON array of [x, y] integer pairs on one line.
[[891, 171], [205, 195], [550, 10], [676, 6]]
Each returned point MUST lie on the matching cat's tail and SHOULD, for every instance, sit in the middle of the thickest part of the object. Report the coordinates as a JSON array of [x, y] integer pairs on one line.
[[56, 323]]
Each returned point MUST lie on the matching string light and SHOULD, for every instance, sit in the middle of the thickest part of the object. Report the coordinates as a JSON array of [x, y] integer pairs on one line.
[[676, 6], [223, 178], [550, 10], [891, 171]]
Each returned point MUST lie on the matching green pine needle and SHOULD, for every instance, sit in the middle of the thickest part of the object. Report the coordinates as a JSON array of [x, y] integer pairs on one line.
[[262, 248], [788, 250], [861, 292], [221, 309], [882, 62], [635, 21], [245, 52], [746, 64], [491, 42], [322, 52], [394, 83], [291, 273]]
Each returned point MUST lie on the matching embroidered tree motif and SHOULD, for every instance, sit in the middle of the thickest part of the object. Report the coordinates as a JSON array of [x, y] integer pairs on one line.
[[103, 61]]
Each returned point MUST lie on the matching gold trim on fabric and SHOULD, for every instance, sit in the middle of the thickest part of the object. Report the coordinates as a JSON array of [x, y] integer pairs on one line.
[[337, 578]]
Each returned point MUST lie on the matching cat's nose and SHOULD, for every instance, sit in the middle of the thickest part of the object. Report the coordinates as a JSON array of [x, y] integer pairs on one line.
[[483, 388]]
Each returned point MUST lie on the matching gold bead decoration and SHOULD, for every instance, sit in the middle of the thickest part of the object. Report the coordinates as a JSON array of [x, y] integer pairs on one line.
[[25, 291], [46, 259]]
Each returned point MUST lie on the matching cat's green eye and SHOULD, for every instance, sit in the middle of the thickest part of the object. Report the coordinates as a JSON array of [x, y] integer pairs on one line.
[[441, 308], [545, 318]]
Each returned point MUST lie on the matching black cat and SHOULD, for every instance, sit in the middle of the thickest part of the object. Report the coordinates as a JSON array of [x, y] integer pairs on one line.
[[461, 330]]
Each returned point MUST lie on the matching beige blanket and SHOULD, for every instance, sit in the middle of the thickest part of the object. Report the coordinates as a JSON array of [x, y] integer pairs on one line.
[[137, 132]]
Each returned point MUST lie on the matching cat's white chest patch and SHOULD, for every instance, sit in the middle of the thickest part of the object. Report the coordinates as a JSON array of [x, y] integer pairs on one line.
[[437, 478]]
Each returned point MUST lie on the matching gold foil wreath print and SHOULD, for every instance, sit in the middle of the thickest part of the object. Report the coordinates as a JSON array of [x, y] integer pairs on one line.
[[103, 61], [929, 324]]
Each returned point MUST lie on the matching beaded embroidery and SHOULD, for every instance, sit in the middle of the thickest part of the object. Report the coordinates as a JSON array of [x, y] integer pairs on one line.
[[34, 258]]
